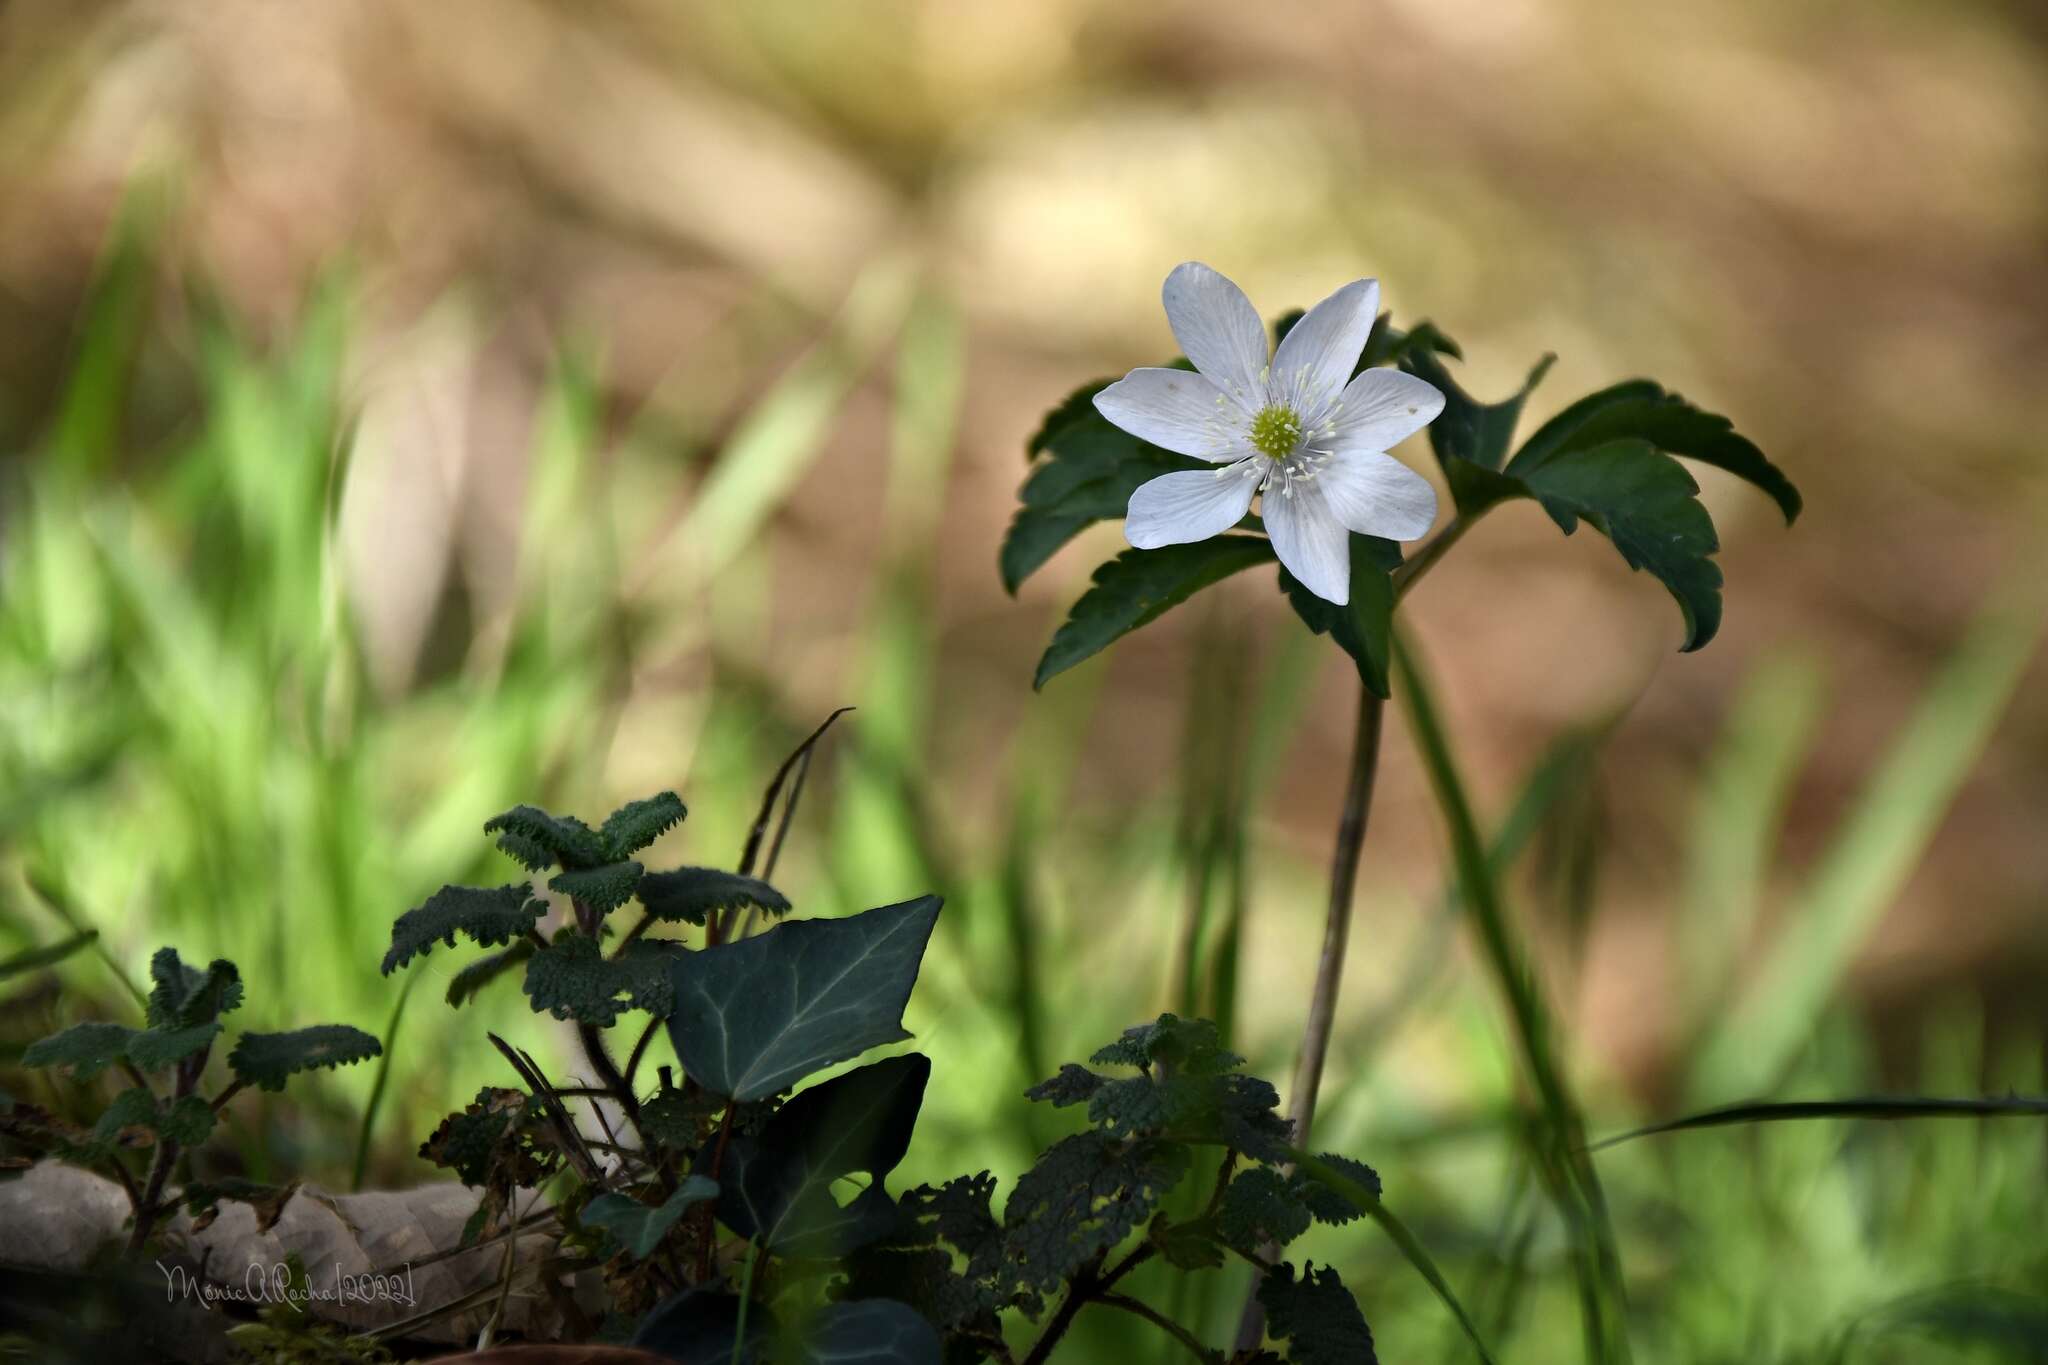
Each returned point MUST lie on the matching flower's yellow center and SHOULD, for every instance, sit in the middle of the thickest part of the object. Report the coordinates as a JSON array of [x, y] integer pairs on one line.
[[1276, 431]]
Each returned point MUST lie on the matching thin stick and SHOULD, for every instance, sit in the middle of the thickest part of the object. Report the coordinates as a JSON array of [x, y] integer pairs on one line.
[[1164, 1323]]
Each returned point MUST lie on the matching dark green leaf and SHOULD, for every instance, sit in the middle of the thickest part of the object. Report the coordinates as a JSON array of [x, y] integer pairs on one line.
[[1364, 628], [489, 916], [482, 972], [1388, 345], [571, 978], [604, 888], [701, 1326], [1330, 1205], [1137, 587], [1086, 1194], [637, 824], [691, 895], [1075, 407], [1468, 430], [36, 959], [1316, 1316], [640, 1227], [756, 1016], [471, 1140], [87, 1049], [564, 838], [136, 1119], [870, 1332], [184, 997], [266, 1059], [1261, 1206], [1189, 1246], [158, 1048], [777, 1187]]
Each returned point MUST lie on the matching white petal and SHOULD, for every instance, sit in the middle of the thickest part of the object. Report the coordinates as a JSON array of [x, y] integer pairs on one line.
[[1379, 409], [1318, 353], [1377, 495], [1194, 504], [1179, 410], [1218, 329], [1310, 540]]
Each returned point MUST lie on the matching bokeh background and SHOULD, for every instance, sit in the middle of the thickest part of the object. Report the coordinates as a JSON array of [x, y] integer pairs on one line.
[[411, 409]]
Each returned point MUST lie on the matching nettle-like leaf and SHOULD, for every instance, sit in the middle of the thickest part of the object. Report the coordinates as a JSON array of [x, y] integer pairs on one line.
[[488, 916], [638, 1227], [185, 997], [1261, 1205], [603, 888], [777, 1187], [1363, 629], [84, 1049], [494, 1142], [1327, 1205], [265, 1060], [540, 840], [691, 895], [155, 1049], [1316, 1316], [464, 985], [1189, 1091], [637, 824], [136, 1118], [571, 978], [757, 1016], [1138, 587], [1607, 460], [1085, 1194]]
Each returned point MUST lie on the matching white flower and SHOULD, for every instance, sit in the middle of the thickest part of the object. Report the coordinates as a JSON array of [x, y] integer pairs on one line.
[[1290, 428]]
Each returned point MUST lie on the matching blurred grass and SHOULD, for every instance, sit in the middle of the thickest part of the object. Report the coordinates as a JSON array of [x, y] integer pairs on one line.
[[195, 747]]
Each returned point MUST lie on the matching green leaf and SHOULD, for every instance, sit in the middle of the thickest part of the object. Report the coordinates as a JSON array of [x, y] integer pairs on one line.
[[604, 888], [1332, 1206], [87, 1049], [691, 895], [464, 985], [1085, 1194], [640, 1227], [777, 1187], [703, 1327], [870, 1332], [1139, 586], [1261, 1206], [489, 916], [264, 1060], [49, 955], [1364, 628], [756, 1016], [1388, 345], [571, 978], [184, 997], [637, 824], [1469, 431], [1642, 410], [136, 1119], [158, 1048], [561, 838], [1646, 503], [468, 1141], [1316, 1316]]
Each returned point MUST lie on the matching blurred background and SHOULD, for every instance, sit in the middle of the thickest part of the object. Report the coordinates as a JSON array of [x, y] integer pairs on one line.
[[408, 410]]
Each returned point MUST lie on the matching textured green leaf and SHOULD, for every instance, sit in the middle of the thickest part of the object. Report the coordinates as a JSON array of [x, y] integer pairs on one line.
[[604, 888], [1189, 1090], [1139, 586], [1085, 1194], [1189, 1246], [1316, 1316], [86, 1049], [1332, 1206], [564, 838], [637, 824], [1364, 628], [870, 1332], [184, 997], [640, 1227], [691, 895], [464, 985], [489, 916], [472, 1140], [1261, 1206], [777, 1186], [571, 978], [136, 1119], [756, 1016], [264, 1060], [156, 1049]]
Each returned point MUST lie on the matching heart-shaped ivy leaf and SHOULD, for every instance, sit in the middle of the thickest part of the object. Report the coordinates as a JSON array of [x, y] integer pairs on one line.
[[757, 1016], [640, 1227], [702, 1327], [870, 1332]]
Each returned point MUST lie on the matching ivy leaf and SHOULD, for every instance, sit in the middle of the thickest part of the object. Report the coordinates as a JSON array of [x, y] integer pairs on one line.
[[702, 1327], [637, 824], [691, 895], [1646, 503], [1139, 586], [464, 985], [777, 1188], [870, 1332], [561, 838], [156, 1049], [640, 1227], [756, 1016], [1316, 1316], [86, 1049], [1363, 629], [184, 997], [603, 888], [264, 1060], [571, 978], [489, 916]]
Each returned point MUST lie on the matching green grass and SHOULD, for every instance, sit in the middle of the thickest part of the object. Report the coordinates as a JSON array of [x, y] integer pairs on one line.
[[193, 748]]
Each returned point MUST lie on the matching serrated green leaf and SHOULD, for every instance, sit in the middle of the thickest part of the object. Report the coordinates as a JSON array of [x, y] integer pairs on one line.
[[1329, 1205], [1261, 1206], [155, 1049], [487, 915], [463, 986], [571, 978], [1316, 1316], [264, 1060], [529, 854], [1469, 431], [186, 996], [1085, 1194], [691, 895], [1139, 586], [870, 1332], [1364, 628], [1189, 1245], [637, 824], [467, 1141], [756, 1016], [87, 1049], [1646, 503], [604, 888], [567, 840], [777, 1186], [639, 1227], [136, 1119]]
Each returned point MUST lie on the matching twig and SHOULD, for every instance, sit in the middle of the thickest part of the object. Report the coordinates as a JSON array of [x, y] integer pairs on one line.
[[640, 1049], [1163, 1323], [1081, 1286], [721, 928], [565, 1127], [220, 1101]]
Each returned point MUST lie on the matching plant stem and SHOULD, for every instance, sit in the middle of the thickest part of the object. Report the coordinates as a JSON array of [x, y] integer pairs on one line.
[[1080, 1288], [1164, 1323]]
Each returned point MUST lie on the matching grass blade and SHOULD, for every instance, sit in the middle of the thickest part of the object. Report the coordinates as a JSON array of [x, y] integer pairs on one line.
[[1882, 1107]]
